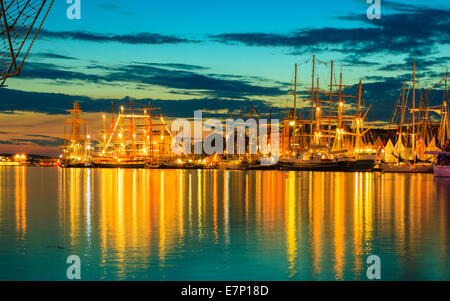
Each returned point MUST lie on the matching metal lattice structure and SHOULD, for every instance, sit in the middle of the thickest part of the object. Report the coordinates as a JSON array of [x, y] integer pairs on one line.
[[20, 23]]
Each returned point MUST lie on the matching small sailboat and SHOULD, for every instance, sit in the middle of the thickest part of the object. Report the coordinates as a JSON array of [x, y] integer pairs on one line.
[[76, 149], [314, 162], [118, 162], [442, 167], [441, 171], [232, 164], [408, 154], [407, 167]]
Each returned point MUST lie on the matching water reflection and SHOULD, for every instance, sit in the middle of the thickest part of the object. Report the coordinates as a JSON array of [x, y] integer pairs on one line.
[[210, 224], [21, 202]]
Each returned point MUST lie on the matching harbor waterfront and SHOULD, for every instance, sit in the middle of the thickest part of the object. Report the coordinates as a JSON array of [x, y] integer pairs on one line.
[[174, 224], [225, 148]]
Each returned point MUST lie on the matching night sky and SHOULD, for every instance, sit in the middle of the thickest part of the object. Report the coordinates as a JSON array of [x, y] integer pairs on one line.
[[216, 56]]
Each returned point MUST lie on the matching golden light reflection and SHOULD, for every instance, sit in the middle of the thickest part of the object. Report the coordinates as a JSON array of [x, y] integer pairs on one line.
[[21, 201], [291, 225], [317, 203], [311, 223], [339, 229]]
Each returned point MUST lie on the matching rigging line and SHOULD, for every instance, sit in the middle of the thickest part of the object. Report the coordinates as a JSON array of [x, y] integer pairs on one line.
[[37, 31]]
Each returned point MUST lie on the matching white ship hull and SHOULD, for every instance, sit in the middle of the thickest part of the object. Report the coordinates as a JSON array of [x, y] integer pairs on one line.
[[441, 171], [406, 168]]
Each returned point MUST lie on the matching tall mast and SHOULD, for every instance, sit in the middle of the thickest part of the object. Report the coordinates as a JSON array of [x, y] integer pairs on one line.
[[104, 129], [317, 109], [295, 106], [295, 94], [358, 118], [331, 102], [132, 131], [444, 129], [402, 113], [341, 104], [445, 89], [413, 111], [112, 110], [358, 106], [312, 101]]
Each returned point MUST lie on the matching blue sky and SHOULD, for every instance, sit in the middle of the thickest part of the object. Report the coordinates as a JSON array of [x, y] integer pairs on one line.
[[219, 55]]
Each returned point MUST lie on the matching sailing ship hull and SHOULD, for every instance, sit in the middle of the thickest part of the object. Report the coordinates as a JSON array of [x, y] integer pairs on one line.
[[258, 165], [232, 166], [441, 171], [406, 168], [303, 165], [263, 167], [152, 165], [179, 166], [118, 164], [363, 165], [75, 164]]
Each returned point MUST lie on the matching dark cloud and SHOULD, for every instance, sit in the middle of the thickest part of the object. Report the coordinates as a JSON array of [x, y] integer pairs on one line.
[[355, 60], [50, 55], [188, 80], [425, 64], [148, 74], [132, 38], [416, 31], [34, 70], [178, 66], [49, 103], [383, 93], [41, 140], [50, 141], [52, 103]]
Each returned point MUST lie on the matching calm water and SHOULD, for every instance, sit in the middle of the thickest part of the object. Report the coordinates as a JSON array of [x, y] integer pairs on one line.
[[221, 225]]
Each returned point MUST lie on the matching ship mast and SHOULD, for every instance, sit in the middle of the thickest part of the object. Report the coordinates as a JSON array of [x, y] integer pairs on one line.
[[413, 111], [330, 108], [312, 103], [132, 130], [317, 129], [73, 146], [295, 95], [402, 113], [444, 130], [358, 119]]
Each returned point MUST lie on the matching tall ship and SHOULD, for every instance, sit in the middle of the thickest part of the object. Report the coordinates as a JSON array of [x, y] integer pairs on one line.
[[417, 136], [133, 140], [76, 149], [329, 140]]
